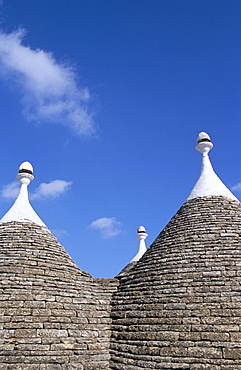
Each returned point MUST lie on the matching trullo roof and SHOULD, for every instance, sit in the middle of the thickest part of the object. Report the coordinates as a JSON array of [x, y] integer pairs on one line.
[[179, 307]]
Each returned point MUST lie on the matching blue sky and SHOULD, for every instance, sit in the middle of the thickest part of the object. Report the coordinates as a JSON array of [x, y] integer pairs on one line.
[[106, 98]]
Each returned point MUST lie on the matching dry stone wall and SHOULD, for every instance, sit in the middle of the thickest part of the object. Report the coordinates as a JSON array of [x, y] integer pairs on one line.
[[52, 315], [179, 307]]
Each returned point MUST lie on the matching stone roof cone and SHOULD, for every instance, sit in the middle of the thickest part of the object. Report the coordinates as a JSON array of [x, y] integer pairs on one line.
[[22, 209], [52, 314], [179, 307]]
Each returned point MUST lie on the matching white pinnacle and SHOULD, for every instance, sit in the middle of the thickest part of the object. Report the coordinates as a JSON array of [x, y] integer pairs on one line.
[[22, 209], [141, 235], [208, 184]]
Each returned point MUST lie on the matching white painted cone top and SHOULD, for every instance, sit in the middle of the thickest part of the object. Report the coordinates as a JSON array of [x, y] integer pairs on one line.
[[22, 210], [208, 184], [141, 235]]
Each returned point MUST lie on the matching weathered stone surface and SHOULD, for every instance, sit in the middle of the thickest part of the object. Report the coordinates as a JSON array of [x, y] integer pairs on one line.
[[53, 315], [179, 306]]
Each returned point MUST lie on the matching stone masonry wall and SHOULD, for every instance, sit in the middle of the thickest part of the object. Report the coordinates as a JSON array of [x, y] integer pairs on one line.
[[180, 305], [52, 315]]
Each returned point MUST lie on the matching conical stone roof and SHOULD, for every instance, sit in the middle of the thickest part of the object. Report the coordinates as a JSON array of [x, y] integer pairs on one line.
[[179, 307], [52, 315]]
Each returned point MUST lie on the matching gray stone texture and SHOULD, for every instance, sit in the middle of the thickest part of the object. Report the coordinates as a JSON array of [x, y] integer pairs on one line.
[[179, 307], [53, 316]]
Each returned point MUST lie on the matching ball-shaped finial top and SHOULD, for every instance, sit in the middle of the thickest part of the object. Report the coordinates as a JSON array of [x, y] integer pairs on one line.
[[25, 167], [204, 144], [141, 229], [203, 136]]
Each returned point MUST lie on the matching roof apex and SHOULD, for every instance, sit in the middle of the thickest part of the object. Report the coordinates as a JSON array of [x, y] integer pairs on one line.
[[208, 184], [22, 210]]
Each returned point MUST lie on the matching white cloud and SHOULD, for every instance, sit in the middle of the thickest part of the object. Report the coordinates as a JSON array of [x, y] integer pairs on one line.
[[59, 233], [49, 89], [108, 226], [51, 190], [236, 187], [10, 191]]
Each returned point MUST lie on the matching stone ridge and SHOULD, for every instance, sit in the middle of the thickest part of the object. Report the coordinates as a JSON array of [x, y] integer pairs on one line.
[[52, 315], [126, 269], [180, 305]]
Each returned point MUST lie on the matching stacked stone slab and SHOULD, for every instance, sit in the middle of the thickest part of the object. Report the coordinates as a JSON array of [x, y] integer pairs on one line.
[[52, 314], [179, 307]]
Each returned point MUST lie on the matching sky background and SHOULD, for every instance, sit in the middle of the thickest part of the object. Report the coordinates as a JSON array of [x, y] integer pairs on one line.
[[106, 98]]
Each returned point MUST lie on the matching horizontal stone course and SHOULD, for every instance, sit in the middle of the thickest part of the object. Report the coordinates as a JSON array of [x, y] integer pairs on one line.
[[52, 314], [183, 295], [179, 307]]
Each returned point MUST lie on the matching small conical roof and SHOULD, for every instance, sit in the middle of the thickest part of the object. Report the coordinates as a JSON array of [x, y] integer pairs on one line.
[[141, 235], [22, 210]]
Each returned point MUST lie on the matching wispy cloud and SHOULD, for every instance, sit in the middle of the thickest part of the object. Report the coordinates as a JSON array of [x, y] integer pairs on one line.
[[108, 226], [236, 187], [53, 189], [10, 191], [59, 233], [50, 91]]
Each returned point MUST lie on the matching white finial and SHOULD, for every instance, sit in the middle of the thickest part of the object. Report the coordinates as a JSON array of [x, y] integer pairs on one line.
[[208, 184], [141, 229], [24, 175], [203, 136], [204, 143], [26, 167], [22, 209], [141, 235]]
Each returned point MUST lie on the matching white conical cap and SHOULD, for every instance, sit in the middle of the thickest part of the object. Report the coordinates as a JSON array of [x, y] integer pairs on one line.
[[208, 184], [141, 235], [22, 210]]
